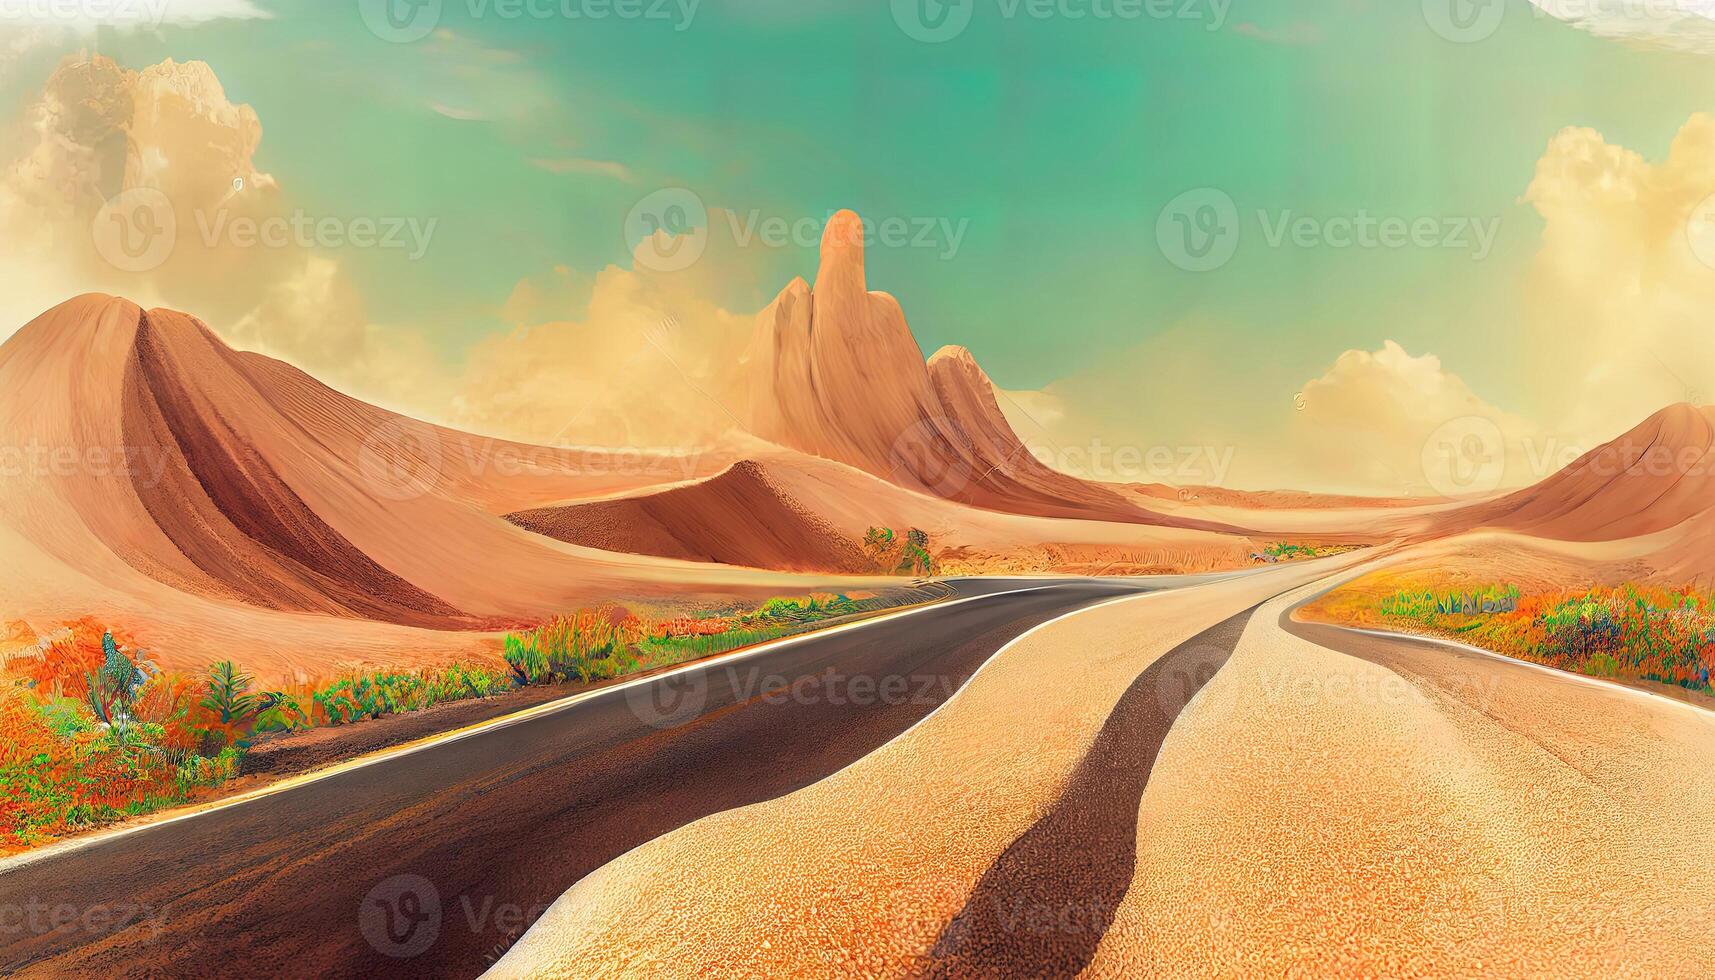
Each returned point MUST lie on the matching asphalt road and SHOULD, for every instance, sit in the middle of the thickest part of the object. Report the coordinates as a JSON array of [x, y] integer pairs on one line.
[[432, 863]]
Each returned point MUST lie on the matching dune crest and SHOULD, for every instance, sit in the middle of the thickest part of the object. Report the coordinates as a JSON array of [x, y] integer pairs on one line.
[[743, 516]]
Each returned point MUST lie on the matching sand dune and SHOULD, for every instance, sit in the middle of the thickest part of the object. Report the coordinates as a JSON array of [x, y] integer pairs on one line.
[[161, 479], [740, 517], [193, 493], [1655, 477]]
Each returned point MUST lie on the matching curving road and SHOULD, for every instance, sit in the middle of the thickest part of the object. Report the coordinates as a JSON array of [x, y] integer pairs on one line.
[[432, 863], [1215, 789]]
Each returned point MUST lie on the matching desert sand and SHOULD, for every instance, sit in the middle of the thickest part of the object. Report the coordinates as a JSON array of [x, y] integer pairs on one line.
[[161, 481], [1653, 478]]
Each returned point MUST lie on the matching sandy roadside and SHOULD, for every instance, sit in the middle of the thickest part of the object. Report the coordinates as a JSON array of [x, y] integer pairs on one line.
[[859, 873], [1317, 814]]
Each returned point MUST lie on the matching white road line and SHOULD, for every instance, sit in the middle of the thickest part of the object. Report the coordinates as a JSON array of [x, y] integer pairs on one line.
[[75, 844], [1557, 672]]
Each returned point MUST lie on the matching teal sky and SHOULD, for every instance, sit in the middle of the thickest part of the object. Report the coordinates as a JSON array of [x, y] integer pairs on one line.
[[1058, 140]]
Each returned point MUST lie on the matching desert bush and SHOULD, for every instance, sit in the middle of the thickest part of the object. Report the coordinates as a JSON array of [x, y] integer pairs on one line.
[[1630, 631]]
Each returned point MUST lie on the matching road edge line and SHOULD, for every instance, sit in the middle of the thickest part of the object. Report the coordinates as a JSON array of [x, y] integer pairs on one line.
[[1599, 682]]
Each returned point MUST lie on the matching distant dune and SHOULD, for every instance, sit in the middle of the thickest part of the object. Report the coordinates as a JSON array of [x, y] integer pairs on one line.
[[1655, 477], [740, 517]]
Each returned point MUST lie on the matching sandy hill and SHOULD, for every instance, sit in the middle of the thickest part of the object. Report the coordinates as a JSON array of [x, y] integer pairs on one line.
[[160, 477], [742, 516], [1658, 476], [836, 372]]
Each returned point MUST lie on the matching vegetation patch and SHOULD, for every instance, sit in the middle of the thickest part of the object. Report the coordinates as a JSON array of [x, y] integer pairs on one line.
[[1281, 551], [610, 642], [1627, 632], [900, 555]]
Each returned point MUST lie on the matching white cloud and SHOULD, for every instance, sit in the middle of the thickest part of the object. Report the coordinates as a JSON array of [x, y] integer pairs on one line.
[[1369, 424], [86, 15], [1680, 25], [99, 131], [651, 361], [1618, 300]]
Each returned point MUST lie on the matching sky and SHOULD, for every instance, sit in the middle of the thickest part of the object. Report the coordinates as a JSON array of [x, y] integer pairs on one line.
[[1424, 214]]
